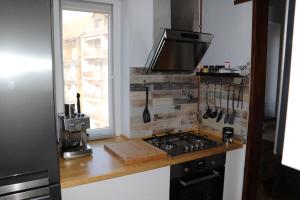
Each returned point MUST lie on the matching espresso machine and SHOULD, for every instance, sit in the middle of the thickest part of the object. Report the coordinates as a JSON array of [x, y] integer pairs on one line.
[[73, 137]]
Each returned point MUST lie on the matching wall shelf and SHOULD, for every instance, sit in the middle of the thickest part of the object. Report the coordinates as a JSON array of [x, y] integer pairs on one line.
[[240, 1], [233, 75]]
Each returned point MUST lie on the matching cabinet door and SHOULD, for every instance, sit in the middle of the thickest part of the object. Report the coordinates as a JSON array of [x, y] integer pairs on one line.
[[149, 185]]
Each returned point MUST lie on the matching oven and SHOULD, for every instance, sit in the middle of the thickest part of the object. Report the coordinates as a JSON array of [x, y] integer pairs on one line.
[[201, 179]]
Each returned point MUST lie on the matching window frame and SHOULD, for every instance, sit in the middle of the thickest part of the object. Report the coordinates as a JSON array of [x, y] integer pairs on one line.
[[111, 7]]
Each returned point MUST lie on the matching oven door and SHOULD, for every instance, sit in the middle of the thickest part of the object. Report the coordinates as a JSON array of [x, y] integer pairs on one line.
[[207, 185]]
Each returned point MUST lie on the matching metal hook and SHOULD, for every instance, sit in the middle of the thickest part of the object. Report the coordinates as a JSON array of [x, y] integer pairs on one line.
[[146, 84]]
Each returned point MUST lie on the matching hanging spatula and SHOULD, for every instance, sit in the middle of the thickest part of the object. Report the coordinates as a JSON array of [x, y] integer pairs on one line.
[[78, 104], [208, 110], [214, 114], [146, 113]]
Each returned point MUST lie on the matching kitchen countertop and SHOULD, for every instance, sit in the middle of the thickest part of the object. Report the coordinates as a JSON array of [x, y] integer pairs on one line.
[[102, 165]]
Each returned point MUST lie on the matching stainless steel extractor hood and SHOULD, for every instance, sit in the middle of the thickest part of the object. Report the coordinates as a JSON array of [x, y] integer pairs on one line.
[[181, 48]]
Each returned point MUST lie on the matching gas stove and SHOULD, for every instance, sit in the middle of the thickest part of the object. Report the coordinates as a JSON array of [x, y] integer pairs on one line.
[[180, 143]]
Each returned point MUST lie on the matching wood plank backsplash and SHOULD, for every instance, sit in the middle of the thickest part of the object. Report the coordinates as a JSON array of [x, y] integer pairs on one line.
[[173, 104], [241, 121]]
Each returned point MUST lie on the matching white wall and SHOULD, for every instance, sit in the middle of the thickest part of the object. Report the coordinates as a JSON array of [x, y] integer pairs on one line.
[[162, 16], [232, 28], [137, 41], [137, 16]]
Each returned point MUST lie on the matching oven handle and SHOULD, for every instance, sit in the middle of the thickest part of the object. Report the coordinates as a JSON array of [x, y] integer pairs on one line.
[[201, 179]]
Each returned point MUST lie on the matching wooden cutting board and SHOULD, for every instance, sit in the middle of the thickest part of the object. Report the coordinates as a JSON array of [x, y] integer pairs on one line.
[[135, 151]]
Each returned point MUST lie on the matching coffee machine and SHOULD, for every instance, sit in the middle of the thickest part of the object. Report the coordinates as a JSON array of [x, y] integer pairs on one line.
[[73, 137]]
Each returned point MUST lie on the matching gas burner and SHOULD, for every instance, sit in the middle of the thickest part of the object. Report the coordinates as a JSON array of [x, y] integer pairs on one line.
[[179, 143], [167, 147]]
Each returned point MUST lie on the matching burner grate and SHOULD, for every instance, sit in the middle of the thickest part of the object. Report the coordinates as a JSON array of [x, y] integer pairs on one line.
[[181, 143]]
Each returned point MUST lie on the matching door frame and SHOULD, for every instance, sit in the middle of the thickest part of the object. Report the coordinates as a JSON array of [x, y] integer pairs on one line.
[[257, 97]]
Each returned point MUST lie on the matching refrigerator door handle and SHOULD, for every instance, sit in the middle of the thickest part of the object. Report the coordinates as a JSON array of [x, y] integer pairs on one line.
[[38, 194], [47, 197], [23, 186]]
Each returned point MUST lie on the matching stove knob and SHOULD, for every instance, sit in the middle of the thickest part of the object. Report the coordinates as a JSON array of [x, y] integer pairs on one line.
[[198, 141], [186, 148], [168, 147], [186, 169], [191, 147]]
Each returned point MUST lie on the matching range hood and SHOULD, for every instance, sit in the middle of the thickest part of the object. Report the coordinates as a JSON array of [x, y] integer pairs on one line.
[[181, 48]]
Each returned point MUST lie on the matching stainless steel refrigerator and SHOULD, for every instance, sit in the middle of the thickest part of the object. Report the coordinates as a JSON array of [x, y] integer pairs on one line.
[[288, 136], [28, 147]]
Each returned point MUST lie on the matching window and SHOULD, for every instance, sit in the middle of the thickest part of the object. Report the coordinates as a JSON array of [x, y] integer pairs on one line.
[[87, 66], [97, 23]]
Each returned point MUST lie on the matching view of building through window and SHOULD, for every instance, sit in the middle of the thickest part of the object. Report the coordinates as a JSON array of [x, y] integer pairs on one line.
[[85, 58]]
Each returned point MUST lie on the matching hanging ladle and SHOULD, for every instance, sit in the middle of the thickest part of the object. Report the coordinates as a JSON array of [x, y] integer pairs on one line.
[[208, 110], [233, 114], [215, 113], [220, 115], [241, 94]]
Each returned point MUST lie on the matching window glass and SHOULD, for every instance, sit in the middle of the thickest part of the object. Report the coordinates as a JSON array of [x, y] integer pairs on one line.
[[86, 63]]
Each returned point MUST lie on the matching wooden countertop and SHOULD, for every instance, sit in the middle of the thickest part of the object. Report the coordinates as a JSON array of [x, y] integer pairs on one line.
[[102, 165]]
